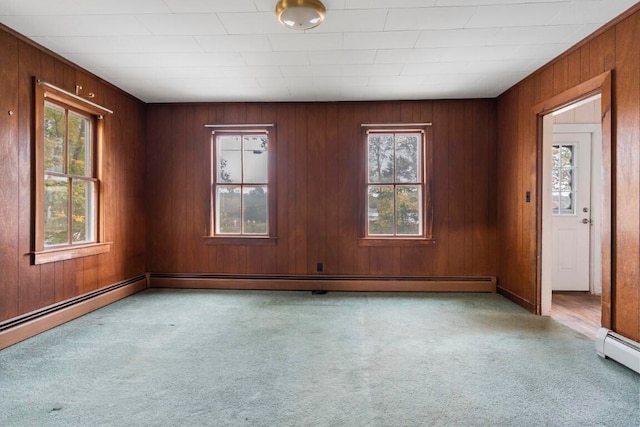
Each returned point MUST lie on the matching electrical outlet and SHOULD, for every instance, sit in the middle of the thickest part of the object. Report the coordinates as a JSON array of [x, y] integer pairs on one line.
[[319, 267]]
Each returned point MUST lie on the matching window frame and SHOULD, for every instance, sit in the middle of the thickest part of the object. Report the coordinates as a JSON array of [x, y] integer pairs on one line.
[[41, 254], [270, 238], [573, 191], [426, 171]]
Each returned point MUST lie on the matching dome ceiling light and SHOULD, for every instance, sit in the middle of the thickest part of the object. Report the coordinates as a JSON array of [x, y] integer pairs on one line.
[[300, 14]]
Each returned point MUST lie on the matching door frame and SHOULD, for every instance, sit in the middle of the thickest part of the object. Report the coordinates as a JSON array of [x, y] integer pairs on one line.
[[549, 248], [595, 131], [601, 84]]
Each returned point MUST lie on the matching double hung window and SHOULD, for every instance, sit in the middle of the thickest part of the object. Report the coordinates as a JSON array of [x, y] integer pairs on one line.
[[67, 153], [397, 197], [70, 184], [242, 183]]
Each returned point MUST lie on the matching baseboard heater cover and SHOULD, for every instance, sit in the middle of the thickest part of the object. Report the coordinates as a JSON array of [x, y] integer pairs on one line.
[[28, 325], [324, 282], [621, 349]]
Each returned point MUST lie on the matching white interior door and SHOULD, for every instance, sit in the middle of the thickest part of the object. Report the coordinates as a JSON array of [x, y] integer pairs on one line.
[[571, 211]]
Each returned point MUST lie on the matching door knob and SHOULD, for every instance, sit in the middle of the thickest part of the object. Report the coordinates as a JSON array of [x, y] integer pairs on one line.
[[586, 221]]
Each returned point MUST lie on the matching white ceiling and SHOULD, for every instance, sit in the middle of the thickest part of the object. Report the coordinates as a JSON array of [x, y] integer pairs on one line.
[[235, 50]]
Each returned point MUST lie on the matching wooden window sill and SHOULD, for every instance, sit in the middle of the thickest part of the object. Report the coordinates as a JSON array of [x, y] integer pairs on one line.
[[69, 252], [241, 240], [395, 242]]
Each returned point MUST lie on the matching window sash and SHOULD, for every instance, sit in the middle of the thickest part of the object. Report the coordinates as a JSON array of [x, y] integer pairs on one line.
[[78, 220], [399, 219], [244, 187]]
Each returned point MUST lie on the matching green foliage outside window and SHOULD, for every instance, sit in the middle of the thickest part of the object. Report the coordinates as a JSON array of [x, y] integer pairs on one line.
[[242, 184], [394, 178], [68, 188]]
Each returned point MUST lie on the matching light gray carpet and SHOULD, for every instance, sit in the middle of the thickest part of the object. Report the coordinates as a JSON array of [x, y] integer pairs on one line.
[[227, 358]]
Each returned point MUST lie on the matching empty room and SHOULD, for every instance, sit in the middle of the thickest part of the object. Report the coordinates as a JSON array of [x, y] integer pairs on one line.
[[320, 213]]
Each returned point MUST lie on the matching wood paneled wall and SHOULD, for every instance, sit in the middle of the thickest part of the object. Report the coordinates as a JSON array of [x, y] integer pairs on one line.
[[318, 156], [615, 49], [25, 287]]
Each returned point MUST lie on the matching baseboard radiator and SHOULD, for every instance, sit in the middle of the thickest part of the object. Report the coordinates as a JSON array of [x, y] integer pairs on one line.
[[324, 283], [621, 349], [28, 325]]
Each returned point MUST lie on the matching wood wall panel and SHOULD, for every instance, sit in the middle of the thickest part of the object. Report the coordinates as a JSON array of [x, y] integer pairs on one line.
[[9, 190], [29, 280], [612, 48], [626, 295], [319, 151], [24, 287]]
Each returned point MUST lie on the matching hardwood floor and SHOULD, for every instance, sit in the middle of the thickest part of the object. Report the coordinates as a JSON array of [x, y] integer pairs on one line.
[[578, 310]]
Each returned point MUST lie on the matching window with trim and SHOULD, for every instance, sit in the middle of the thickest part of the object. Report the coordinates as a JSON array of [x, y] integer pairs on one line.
[[397, 197], [67, 208], [242, 183]]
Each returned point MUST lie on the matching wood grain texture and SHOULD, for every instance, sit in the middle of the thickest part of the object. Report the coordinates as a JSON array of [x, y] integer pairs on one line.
[[9, 190], [612, 47], [334, 283], [319, 158], [577, 310], [25, 287], [626, 298]]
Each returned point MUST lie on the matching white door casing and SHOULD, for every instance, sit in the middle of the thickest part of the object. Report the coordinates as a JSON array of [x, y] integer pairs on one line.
[[571, 211]]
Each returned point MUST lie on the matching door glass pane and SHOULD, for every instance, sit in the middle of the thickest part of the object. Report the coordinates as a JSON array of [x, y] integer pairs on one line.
[[229, 159], [566, 202], [254, 210], [79, 142], [83, 211], [566, 156], [228, 204], [565, 180], [381, 210], [380, 158], [56, 210], [408, 210], [54, 128], [408, 157], [255, 159], [563, 185]]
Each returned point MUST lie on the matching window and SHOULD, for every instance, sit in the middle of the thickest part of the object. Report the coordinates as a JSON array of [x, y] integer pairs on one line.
[[562, 177], [397, 196], [70, 185], [242, 184], [67, 185]]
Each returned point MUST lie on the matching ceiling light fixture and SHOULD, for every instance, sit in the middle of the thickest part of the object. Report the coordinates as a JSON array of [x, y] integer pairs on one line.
[[300, 14]]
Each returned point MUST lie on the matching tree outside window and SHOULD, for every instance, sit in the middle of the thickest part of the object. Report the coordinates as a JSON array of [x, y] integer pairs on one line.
[[241, 184], [395, 187], [69, 184]]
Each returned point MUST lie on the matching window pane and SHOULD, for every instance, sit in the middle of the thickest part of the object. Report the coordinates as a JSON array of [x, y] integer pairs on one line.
[[556, 202], [228, 213], [255, 210], [566, 180], [56, 210], [408, 157], [566, 203], [54, 128], [408, 210], [83, 211], [566, 155], [79, 142], [380, 210], [380, 157], [229, 159], [255, 159]]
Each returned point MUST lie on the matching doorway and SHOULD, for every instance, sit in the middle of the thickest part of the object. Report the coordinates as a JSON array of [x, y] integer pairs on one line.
[[572, 215]]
